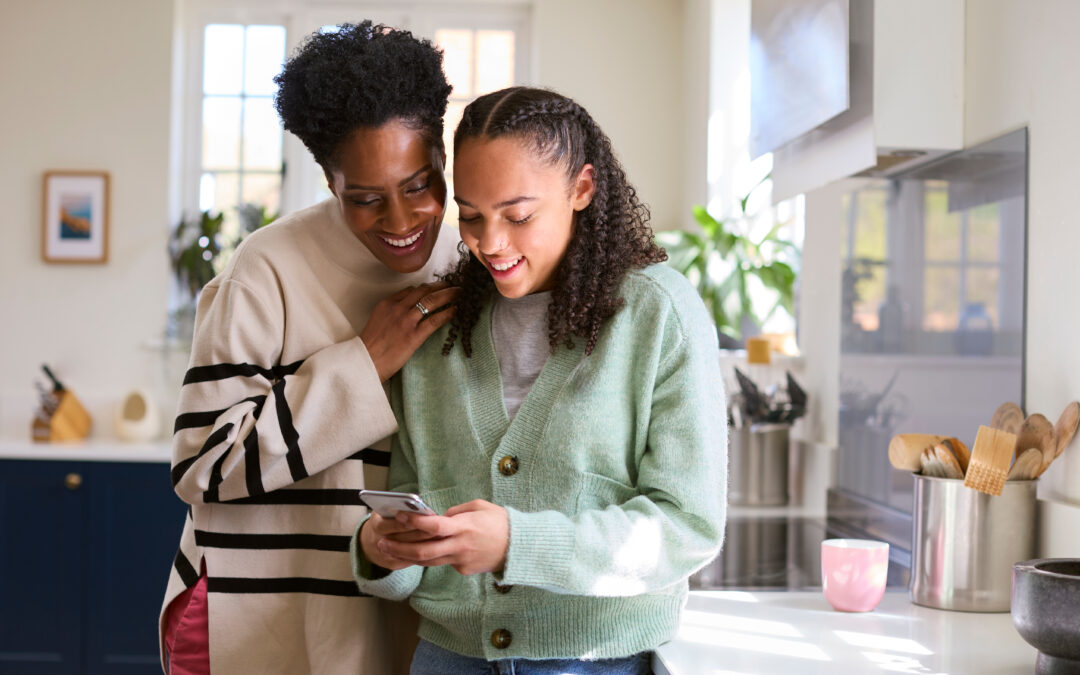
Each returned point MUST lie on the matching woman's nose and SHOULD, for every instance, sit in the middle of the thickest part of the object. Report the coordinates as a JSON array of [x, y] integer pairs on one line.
[[398, 217], [492, 239]]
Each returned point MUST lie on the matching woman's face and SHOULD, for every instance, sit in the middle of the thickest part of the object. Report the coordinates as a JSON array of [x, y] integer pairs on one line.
[[517, 211], [389, 185]]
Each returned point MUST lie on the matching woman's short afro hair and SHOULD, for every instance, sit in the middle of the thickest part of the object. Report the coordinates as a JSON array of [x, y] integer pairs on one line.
[[362, 75]]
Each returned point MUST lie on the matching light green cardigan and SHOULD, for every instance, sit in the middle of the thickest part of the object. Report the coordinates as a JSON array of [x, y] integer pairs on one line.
[[619, 493]]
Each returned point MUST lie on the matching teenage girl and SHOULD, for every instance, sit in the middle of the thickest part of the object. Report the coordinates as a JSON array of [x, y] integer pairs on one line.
[[568, 423]]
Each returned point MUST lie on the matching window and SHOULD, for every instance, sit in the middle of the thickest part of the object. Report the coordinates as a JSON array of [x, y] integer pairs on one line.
[[240, 159], [231, 147]]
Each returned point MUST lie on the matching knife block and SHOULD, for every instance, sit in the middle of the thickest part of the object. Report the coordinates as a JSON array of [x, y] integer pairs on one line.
[[68, 422]]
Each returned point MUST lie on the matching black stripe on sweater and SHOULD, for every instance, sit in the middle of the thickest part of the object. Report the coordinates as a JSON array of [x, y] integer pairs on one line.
[[212, 441], [289, 433], [372, 456], [185, 569], [211, 494], [206, 419], [331, 497], [223, 371], [309, 542], [346, 589], [252, 465]]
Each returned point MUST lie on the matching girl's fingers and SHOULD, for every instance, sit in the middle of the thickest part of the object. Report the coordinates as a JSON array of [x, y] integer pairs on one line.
[[438, 526]]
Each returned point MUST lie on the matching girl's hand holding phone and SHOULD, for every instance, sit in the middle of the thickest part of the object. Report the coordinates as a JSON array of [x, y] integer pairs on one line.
[[378, 529], [472, 538]]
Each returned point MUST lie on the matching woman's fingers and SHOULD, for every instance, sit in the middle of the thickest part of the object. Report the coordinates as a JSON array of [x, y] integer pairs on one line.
[[397, 327]]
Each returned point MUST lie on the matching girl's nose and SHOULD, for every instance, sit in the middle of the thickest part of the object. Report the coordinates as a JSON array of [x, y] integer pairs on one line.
[[492, 240]]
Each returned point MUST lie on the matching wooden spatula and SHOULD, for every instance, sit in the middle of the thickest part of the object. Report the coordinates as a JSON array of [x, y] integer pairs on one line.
[[990, 458], [1036, 432], [1064, 431], [1027, 466], [1008, 417]]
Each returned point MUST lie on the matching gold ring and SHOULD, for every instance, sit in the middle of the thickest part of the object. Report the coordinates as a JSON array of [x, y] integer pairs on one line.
[[424, 311]]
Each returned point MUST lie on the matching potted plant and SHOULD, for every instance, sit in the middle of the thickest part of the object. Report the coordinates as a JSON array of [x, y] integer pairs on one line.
[[198, 250], [725, 259]]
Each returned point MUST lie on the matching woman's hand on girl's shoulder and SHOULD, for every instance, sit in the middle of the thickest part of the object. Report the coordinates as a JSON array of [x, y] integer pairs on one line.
[[472, 538], [397, 327]]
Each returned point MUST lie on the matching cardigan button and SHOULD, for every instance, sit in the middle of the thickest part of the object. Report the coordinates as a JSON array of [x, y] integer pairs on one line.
[[499, 588], [508, 465], [501, 638]]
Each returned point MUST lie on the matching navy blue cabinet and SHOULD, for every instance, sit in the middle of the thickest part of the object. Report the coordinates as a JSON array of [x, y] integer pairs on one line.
[[85, 553]]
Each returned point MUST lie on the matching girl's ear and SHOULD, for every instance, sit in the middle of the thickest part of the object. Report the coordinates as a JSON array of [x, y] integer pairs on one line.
[[581, 193]]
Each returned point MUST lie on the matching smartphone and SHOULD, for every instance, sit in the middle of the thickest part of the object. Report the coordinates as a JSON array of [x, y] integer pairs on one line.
[[387, 504]]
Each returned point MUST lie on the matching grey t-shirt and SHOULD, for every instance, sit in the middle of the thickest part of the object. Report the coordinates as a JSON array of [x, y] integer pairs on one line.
[[519, 328]]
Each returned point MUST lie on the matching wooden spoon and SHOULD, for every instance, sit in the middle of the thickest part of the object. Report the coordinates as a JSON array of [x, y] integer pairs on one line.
[[1008, 417], [963, 455], [949, 465], [1064, 431], [1036, 432], [1027, 466]]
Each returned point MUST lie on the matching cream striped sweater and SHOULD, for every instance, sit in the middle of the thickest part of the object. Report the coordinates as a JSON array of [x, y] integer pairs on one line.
[[281, 420]]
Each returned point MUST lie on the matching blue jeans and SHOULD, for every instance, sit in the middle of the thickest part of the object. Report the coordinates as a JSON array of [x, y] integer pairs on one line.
[[431, 659]]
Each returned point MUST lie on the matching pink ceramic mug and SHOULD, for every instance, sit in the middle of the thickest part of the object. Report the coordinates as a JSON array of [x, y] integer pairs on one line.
[[853, 573]]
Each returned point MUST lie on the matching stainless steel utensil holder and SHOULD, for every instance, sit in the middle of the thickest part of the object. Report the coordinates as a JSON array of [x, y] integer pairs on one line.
[[965, 542], [758, 465]]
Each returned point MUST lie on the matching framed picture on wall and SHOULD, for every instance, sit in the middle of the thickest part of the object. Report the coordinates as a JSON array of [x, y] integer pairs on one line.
[[75, 217]]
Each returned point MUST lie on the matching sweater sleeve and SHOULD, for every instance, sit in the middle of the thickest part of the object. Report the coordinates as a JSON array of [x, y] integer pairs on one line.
[[399, 584], [248, 424], [674, 524]]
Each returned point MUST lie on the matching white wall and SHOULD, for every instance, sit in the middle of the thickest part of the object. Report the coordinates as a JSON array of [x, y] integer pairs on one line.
[[623, 61], [1021, 70], [86, 86]]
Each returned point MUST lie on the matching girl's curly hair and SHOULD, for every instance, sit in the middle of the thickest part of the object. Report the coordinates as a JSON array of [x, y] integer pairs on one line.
[[610, 236], [362, 75]]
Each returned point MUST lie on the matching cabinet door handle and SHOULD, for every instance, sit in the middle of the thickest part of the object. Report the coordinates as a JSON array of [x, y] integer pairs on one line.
[[73, 481]]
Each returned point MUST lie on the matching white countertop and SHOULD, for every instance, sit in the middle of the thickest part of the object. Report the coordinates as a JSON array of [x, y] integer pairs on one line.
[[88, 451], [737, 633]]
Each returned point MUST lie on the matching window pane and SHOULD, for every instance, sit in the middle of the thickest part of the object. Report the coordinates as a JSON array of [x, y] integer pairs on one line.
[[942, 227], [869, 295], [494, 60], [223, 59], [263, 57], [262, 189], [871, 234], [457, 59], [982, 289], [225, 189], [983, 232], [262, 135], [221, 133], [941, 298]]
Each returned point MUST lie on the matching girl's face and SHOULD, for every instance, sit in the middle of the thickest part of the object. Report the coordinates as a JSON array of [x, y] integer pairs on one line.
[[517, 211], [390, 188]]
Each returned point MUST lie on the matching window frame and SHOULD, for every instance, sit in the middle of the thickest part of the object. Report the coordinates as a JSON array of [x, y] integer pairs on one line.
[[301, 17]]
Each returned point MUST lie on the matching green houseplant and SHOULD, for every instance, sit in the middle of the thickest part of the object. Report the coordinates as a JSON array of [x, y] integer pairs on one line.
[[199, 249], [727, 258]]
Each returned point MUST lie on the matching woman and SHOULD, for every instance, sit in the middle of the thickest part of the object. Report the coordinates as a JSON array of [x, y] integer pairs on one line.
[[568, 424], [283, 415]]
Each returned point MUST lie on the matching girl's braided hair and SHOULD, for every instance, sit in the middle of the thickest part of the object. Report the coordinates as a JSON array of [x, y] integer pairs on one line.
[[610, 236]]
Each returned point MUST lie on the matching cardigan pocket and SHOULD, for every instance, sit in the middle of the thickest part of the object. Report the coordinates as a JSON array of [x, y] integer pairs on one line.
[[600, 492], [443, 498]]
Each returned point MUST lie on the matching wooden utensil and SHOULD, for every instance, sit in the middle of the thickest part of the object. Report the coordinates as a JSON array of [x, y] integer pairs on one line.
[[960, 451], [1035, 432], [1027, 466], [1064, 431], [1008, 417], [989, 466], [905, 450], [950, 467]]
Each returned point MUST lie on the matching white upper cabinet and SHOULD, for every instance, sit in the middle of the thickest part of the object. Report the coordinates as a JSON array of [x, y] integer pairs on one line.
[[905, 89]]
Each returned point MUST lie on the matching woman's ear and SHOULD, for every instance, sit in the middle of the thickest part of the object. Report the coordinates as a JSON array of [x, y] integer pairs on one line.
[[329, 181], [581, 193]]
